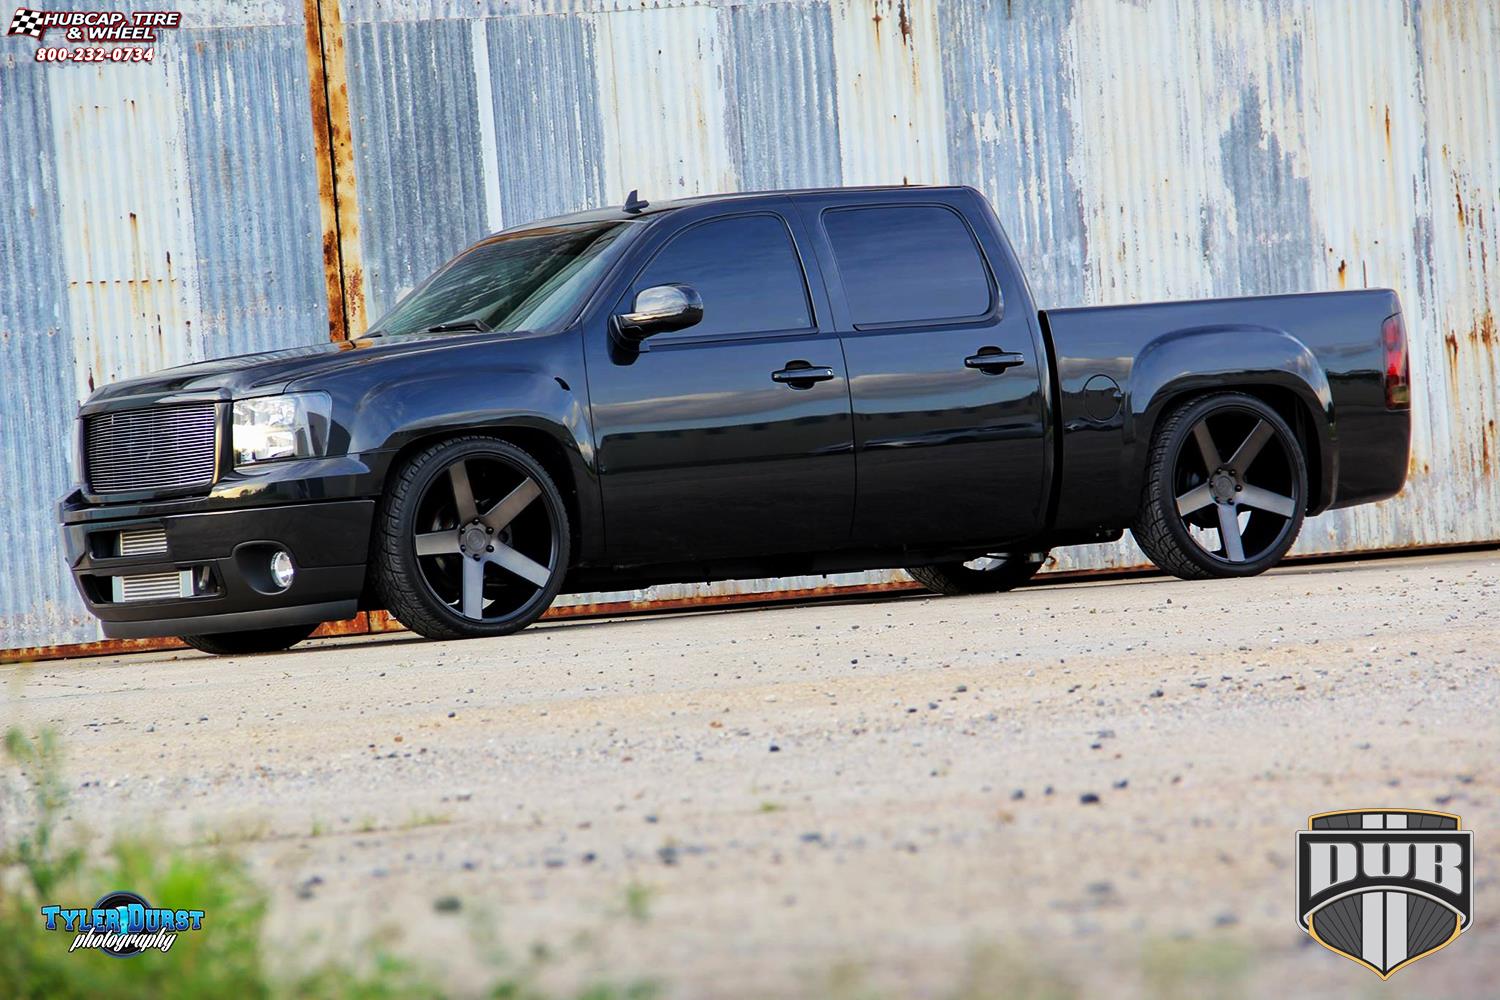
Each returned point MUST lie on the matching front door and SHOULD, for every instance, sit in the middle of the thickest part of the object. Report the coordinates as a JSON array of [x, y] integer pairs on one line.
[[949, 415], [710, 444]]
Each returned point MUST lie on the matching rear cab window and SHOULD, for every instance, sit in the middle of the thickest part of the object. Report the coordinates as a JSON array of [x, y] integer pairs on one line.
[[905, 265]]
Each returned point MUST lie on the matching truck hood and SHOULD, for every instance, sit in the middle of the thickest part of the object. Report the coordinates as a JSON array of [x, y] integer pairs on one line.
[[245, 374]]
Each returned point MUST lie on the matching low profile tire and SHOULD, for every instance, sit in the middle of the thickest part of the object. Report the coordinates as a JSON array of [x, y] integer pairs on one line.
[[264, 640], [988, 574], [472, 539], [1225, 490]]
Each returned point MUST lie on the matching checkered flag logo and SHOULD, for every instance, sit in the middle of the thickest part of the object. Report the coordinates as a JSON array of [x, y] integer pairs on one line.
[[26, 22]]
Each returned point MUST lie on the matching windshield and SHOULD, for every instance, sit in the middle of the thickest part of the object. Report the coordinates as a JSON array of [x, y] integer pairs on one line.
[[527, 280]]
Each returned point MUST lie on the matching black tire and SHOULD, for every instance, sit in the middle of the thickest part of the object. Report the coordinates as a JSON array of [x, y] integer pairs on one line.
[[1254, 500], [996, 572], [433, 593], [263, 640]]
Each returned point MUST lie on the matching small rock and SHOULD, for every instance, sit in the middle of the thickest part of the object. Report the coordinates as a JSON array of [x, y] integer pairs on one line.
[[1018, 794], [447, 904], [775, 748], [1088, 799], [1226, 920], [1158, 693], [1123, 782], [668, 854]]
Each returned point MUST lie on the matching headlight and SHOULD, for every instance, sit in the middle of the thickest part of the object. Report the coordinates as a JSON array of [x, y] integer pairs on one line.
[[268, 428]]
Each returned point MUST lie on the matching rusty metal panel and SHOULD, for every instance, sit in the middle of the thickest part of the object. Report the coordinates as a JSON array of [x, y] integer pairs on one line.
[[662, 89], [548, 133], [888, 74], [157, 214], [783, 110], [414, 110], [1010, 95], [37, 601], [254, 202]]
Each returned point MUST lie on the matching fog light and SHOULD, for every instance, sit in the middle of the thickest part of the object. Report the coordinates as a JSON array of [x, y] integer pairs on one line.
[[282, 569]]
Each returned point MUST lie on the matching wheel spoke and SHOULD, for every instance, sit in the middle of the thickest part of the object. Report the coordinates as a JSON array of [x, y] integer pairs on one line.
[[1229, 533], [1275, 503], [1245, 453], [504, 512], [1194, 499], [463, 494], [473, 588], [526, 568], [1206, 446], [437, 543]]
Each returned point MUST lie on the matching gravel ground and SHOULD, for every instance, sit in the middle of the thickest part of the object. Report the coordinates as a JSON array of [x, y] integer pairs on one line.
[[1095, 783]]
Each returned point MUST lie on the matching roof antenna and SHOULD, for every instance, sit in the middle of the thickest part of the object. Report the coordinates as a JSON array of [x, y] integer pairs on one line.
[[634, 204]]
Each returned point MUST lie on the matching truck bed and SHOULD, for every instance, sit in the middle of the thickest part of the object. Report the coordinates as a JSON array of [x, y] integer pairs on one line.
[[1118, 368]]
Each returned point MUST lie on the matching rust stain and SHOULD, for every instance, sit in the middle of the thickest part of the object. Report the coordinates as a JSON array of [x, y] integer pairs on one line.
[[333, 149], [1458, 196], [1485, 329], [1387, 128], [903, 19], [1343, 273], [358, 625]]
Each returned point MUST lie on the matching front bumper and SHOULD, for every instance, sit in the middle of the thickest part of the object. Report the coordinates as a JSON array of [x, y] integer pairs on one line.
[[221, 555]]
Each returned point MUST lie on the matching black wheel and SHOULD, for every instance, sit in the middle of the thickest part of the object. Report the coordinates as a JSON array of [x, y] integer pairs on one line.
[[987, 574], [1225, 491], [264, 640], [472, 540]]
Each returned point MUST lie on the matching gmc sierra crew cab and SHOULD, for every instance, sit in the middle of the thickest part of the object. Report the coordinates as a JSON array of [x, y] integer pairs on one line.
[[745, 385]]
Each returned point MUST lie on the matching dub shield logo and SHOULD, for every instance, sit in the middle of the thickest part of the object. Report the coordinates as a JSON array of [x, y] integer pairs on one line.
[[1384, 887]]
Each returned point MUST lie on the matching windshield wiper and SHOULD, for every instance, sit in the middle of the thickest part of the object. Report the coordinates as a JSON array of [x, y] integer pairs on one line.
[[478, 325]]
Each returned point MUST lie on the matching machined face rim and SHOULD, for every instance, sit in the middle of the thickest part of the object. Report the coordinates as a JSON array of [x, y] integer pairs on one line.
[[1235, 486], [486, 539]]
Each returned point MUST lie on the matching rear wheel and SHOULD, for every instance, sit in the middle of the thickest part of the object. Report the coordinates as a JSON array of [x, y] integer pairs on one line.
[[473, 540], [987, 574], [1225, 491], [264, 640]]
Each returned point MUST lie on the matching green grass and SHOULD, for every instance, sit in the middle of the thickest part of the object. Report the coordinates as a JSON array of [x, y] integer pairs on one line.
[[226, 959]]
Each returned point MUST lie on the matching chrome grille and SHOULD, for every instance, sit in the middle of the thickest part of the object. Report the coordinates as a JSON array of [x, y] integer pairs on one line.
[[166, 447], [143, 541], [154, 586]]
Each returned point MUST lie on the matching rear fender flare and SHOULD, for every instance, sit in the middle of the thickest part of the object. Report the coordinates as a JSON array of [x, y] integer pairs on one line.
[[1224, 358]]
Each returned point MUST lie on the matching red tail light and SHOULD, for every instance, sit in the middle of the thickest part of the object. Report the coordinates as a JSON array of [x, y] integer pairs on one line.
[[1397, 364]]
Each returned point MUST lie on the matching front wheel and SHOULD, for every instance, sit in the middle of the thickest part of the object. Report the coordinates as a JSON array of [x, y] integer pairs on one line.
[[263, 640], [987, 574], [472, 540], [1225, 490]]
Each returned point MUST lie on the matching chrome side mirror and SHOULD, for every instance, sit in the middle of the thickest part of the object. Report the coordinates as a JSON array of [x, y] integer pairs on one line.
[[660, 309]]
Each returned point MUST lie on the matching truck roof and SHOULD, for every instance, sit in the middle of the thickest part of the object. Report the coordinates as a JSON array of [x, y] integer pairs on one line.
[[617, 213]]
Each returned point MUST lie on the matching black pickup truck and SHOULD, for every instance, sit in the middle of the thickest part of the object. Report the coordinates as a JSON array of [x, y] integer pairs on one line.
[[749, 385]]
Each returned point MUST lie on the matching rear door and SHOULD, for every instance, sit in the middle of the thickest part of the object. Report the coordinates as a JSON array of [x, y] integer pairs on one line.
[[710, 445], [949, 412]]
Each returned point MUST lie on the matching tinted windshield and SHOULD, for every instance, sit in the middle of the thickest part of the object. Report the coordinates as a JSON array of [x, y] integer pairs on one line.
[[516, 281]]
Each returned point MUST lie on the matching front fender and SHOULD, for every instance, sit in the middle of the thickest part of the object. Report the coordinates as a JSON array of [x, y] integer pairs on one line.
[[390, 416], [1193, 361]]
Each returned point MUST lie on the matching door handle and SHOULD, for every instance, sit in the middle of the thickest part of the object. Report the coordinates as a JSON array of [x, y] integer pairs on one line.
[[801, 375], [993, 361]]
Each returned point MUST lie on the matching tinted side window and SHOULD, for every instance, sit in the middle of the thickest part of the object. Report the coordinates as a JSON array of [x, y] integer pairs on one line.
[[746, 270], [905, 264]]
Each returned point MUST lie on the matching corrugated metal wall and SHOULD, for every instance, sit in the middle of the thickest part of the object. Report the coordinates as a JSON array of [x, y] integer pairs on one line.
[[1135, 150]]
